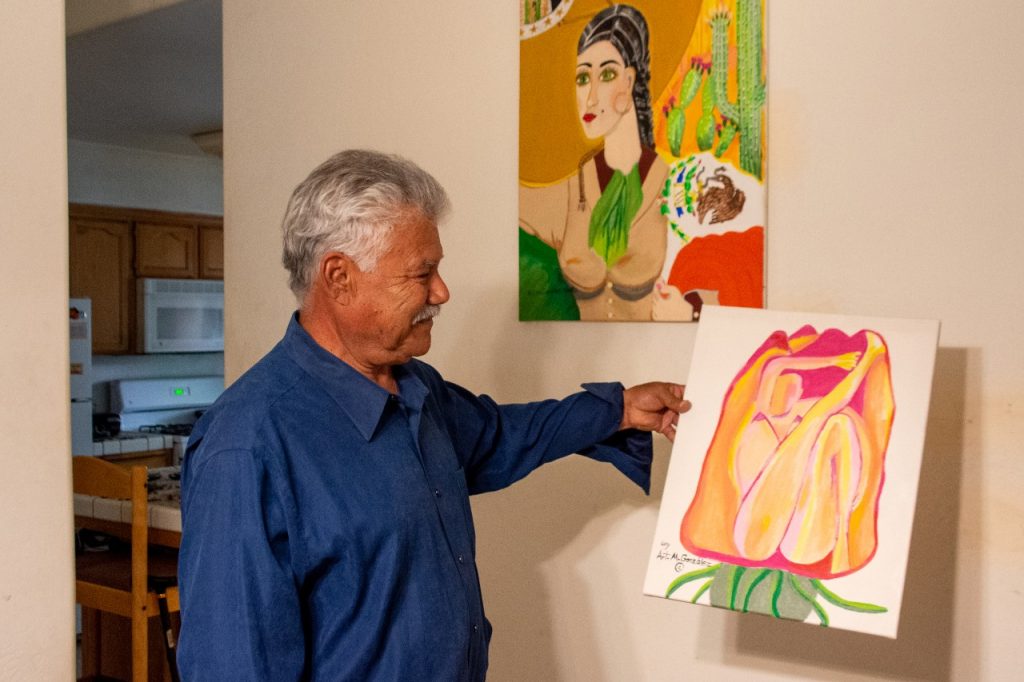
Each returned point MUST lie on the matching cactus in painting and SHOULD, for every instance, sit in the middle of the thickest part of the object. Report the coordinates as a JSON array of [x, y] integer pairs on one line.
[[532, 11], [706, 124], [674, 111], [676, 126], [709, 75], [746, 112], [726, 133]]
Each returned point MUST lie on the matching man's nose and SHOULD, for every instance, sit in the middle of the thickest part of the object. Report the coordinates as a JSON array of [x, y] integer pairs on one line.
[[438, 290]]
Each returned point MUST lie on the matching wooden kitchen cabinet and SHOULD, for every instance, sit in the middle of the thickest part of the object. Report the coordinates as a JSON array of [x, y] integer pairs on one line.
[[211, 252], [166, 250], [101, 269], [169, 249], [112, 247]]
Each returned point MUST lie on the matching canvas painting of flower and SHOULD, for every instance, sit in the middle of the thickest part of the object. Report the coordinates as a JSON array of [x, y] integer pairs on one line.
[[792, 485]]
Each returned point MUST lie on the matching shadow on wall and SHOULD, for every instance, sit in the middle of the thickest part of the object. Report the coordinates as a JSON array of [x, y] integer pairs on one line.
[[573, 504], [924, 647]]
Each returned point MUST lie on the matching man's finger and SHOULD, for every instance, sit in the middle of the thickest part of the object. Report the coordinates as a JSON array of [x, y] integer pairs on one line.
[[669, 432], [679, 404]]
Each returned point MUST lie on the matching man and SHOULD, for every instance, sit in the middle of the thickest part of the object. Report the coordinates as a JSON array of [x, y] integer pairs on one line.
[[327, 532]]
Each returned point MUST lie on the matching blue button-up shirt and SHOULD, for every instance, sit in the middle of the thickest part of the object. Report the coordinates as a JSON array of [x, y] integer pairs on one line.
[[327, 531]]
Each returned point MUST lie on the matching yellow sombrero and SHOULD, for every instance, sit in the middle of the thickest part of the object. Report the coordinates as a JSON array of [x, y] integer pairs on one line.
[[551, 141]]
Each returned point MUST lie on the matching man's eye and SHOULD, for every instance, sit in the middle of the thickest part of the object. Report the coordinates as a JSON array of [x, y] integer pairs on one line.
[[582, 78], [608, 75]]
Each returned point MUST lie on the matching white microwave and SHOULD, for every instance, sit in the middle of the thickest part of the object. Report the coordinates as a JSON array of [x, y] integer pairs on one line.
[[180, 315]]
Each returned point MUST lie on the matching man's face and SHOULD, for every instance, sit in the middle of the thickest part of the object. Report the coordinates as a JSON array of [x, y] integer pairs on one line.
[[390, 303]]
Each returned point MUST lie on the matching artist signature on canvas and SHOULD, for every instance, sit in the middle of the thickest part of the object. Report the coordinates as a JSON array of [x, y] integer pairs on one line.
[[681, 559]]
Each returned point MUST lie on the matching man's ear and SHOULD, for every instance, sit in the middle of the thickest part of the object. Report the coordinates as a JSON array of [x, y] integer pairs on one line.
[[337, 275]]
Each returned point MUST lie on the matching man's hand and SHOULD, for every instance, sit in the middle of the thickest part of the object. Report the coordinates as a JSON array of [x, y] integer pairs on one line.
[[654, 406]]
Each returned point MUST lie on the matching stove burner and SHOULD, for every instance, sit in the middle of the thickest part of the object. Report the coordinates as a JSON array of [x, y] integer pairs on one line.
[[167, 429]]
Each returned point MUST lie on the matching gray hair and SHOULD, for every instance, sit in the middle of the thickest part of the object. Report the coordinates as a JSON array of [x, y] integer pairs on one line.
[[350, 204]]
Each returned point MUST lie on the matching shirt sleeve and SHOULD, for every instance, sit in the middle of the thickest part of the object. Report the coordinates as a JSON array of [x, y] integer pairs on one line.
[[241, 618], [500, 444]]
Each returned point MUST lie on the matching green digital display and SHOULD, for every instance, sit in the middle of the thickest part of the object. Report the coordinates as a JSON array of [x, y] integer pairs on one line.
[[179, 391]]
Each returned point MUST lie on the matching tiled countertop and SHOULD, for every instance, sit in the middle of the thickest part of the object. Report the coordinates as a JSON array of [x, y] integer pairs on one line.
[[164, 502], [133, 442]]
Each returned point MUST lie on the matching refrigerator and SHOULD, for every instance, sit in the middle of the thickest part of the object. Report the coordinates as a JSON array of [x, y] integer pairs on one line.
[[80, 318]]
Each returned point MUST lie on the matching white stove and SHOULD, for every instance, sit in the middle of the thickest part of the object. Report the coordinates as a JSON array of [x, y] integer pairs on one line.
[[158, 413]]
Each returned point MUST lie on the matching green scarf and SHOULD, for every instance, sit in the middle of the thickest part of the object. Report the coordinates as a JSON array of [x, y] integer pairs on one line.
[[613, 214]]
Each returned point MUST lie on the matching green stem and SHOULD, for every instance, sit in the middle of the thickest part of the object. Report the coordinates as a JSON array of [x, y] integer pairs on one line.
[[764, 573], [735, 585], [776, 592], [703, 588], [690, 577], [810, 599], [831, 596]]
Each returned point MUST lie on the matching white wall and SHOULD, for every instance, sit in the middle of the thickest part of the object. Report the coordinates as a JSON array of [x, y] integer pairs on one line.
[[36, 594], [137, 178], [893, 171]]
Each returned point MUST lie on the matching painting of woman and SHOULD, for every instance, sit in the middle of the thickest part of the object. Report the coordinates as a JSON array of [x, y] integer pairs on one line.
[[604, 222]]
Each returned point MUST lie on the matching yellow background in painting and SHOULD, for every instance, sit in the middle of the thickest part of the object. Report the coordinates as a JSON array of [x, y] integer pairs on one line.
[[551, 140], [700, 46]]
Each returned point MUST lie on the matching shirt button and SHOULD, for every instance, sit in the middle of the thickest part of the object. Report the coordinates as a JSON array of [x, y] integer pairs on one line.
[[462, 559], [476, 628], [437, 492]]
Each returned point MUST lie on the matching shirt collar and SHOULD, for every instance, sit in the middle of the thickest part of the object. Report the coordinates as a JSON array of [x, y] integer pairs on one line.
[[362, 400]]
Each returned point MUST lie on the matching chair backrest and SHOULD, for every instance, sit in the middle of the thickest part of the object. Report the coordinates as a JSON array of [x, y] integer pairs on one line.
[[94, 476], [99, 478]]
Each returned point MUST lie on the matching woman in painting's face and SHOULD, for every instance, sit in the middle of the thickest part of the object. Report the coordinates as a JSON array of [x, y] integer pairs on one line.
[[604, 88]]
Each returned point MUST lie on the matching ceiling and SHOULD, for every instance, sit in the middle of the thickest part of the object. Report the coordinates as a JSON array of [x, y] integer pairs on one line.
[[149, 81]]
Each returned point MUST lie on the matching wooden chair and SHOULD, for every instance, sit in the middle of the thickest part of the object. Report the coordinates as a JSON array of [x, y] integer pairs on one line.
[[126, 580]]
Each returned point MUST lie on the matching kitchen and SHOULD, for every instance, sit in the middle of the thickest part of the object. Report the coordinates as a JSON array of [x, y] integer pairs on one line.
[[146, 306], [145, 200]]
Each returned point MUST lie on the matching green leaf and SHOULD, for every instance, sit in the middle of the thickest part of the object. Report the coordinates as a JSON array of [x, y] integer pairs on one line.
[[699, 593], [734, 580], [690, 577], [862, 607], [810, 598], [764, 573]]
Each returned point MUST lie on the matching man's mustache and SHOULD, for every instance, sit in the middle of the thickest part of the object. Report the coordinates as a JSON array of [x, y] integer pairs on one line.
[[428, 313]]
